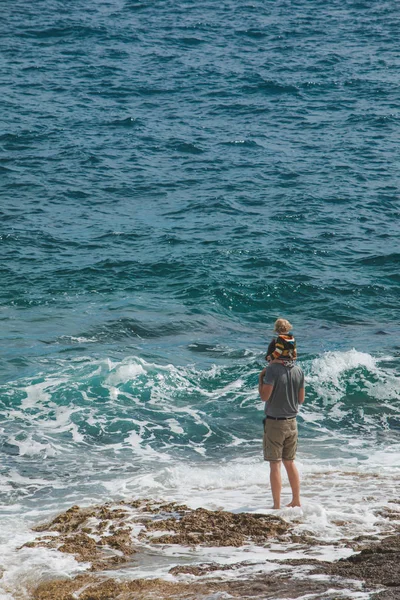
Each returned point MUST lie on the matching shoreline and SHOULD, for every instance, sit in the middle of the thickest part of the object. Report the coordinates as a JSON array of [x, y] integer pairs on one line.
[[114, 540]]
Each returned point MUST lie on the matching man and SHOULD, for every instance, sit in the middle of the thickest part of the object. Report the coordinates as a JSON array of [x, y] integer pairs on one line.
[[281, 387]]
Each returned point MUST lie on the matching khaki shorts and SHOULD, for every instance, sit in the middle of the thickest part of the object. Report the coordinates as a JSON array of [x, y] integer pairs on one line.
[[280, 439]]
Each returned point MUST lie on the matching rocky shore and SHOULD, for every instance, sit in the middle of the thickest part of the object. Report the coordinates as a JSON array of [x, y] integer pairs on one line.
[[112, 538]]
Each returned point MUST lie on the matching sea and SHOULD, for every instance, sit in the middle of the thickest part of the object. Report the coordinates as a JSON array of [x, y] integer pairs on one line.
[[175, 175]]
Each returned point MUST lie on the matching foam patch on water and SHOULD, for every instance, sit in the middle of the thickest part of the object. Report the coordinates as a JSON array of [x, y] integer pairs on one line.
[[331, 365], [328, 372], [331, 373], [125, 373], [352, 397], [22, 569]]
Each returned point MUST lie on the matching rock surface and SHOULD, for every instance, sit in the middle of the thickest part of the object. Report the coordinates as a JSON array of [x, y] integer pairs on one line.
[[378, 563], [109, 536], [216, 528], [102, 535], [96, 535]]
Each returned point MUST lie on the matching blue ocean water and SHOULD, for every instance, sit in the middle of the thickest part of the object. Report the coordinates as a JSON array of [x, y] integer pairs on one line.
[[174, 177]]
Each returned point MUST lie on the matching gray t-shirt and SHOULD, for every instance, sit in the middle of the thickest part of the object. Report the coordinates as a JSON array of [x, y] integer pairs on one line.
[[287, 382]]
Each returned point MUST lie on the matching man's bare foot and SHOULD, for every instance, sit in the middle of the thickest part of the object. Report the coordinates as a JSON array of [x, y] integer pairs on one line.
[[275, 507], [292, 504]]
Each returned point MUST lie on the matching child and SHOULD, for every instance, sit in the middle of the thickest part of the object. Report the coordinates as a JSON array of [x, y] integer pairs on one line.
[[285, 344]]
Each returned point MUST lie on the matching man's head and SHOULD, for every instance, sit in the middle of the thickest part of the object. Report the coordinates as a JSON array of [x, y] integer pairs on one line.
[[282, 326]]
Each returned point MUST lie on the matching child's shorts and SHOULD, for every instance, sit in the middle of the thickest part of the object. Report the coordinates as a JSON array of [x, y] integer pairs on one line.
[[280, 439]]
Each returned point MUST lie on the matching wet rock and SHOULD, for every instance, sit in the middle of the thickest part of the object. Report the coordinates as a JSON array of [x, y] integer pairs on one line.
[[378, 563], [120, 540], [102, 535], [203, 569], [108, 535], [387, 595], [265, 587], [89, 534], [76, 518], [273, 586], [94, 588], [61, 589], [159, 508], [389, 513], [68, 521], [215, 528], [81, 546]]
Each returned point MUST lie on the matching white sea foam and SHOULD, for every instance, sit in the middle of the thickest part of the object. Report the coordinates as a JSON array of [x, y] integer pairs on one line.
[[330, 373], [31, 447], [35, 393], [125, 373], [326, 372], [23, 569], [174, 426], [347, 477]]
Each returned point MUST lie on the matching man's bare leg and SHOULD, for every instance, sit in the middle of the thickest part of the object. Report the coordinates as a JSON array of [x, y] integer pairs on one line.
[[276, 482], [294, 480]]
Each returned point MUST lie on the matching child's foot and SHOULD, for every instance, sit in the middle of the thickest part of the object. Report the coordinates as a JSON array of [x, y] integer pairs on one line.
[[293, 503]]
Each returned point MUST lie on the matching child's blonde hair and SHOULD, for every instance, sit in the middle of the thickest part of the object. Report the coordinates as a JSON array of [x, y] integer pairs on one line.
[[282, 326]]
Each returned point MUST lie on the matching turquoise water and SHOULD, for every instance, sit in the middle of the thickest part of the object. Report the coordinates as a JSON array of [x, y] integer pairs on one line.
[[174, 177]]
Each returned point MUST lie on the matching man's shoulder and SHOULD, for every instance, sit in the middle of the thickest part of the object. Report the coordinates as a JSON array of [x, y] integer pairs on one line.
[[276, 368], [279, 366], [297, 370]]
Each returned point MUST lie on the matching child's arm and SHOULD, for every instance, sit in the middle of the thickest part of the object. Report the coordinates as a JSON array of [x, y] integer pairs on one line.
[[279, 347]]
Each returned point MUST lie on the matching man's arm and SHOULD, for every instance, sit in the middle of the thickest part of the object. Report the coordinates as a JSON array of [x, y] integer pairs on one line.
[[302, 395], [264, 389], [260, 380]]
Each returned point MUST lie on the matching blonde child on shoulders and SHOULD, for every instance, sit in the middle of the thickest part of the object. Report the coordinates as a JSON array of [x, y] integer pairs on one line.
[[285, 343]]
